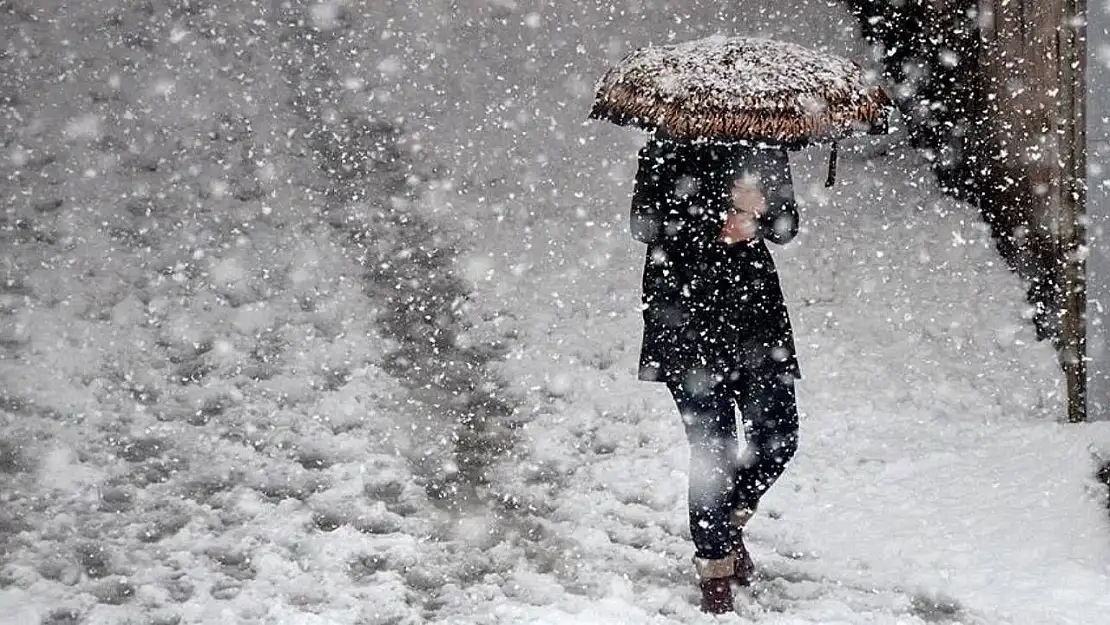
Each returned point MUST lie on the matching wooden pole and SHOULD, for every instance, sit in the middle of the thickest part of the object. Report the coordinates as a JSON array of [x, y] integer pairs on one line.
[[1072, 236]]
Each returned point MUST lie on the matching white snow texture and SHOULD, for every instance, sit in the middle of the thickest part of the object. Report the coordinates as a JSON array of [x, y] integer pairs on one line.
[[263, 360]]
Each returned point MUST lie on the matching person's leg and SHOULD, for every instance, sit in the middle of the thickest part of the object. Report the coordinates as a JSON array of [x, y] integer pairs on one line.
[[709, 419], [770, 418], [770, 414]]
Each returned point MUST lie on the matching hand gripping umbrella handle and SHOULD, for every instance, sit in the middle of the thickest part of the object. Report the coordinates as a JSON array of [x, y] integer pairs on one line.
[[832, 167]]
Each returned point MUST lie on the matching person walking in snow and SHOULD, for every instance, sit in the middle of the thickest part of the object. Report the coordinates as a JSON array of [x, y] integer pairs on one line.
[[717, 332]]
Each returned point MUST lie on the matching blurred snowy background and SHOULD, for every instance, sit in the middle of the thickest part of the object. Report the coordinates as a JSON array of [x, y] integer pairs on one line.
[[326, 312]]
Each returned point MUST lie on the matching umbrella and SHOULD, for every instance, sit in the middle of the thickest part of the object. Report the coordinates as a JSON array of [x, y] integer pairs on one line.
[[743, 89]]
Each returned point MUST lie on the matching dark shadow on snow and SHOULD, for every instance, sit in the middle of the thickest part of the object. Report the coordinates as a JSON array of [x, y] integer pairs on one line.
[[372, 202]]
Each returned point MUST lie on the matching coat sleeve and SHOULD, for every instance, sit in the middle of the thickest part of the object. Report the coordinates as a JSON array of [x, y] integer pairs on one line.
[[779, 224], [648, 195]]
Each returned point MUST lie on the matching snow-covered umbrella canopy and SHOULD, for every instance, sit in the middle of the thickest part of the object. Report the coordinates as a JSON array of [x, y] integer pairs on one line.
[[738, 88]]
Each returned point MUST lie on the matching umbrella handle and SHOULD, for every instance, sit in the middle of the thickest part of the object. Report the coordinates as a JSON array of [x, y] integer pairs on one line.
[[832, 166]]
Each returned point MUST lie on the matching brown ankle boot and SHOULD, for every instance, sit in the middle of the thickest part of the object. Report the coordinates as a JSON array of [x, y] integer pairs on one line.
[[715, 577], [716, 595], [745, 567]]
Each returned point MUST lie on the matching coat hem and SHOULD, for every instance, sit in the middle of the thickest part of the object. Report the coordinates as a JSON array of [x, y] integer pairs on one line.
[[653, 374]]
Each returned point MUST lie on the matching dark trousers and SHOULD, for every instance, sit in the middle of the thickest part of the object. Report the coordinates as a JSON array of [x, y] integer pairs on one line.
[[723, 475]]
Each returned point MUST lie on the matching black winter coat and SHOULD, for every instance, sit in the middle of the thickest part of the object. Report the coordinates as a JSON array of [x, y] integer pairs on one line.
[[712, 311]]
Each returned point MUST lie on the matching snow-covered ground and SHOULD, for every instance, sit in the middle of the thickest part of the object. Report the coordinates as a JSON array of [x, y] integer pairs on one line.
[[236, 364]]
